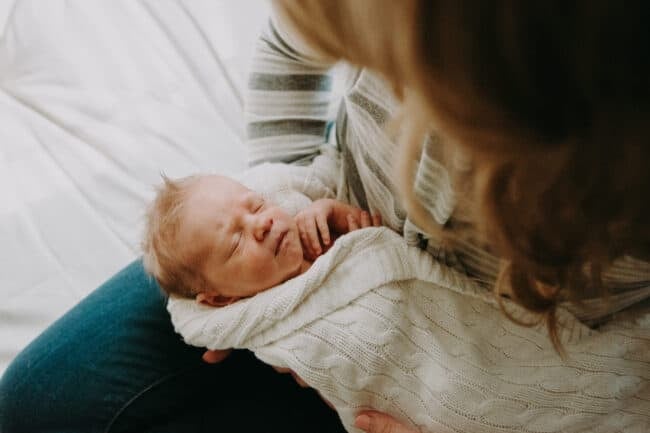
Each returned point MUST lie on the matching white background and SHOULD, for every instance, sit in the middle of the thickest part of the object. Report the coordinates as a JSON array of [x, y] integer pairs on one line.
[[97, 98]]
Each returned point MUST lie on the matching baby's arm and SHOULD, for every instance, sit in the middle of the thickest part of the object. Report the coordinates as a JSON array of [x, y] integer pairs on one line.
[[324, 220]]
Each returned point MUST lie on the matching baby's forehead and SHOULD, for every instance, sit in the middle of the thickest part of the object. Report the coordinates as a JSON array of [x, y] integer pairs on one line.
[[250, 195], [275, 188], [257, 192]]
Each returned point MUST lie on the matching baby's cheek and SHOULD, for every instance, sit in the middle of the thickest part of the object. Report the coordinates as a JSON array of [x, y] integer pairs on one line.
[[296, 251], [268, 276], [255, 260], [297, 255]]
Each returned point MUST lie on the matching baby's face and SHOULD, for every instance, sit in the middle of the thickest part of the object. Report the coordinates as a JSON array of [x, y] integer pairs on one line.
[[249, 244]]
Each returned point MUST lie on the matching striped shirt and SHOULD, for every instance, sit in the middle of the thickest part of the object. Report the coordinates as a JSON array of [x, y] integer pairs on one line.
[[288, 113]]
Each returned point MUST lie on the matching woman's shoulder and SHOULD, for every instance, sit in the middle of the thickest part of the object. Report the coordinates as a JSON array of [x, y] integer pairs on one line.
[[368, 90]]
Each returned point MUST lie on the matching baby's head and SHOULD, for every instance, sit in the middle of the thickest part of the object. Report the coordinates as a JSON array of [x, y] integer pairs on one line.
[[209, 237]]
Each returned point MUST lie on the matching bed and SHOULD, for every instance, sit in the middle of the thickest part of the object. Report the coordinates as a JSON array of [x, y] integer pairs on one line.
[[97, 98]]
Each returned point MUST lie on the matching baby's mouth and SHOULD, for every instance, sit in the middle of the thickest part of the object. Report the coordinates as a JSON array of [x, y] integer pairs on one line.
[[280, 239]]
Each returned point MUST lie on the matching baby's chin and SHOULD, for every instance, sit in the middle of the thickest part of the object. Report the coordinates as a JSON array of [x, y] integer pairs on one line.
[[295, 256], [295, 246]]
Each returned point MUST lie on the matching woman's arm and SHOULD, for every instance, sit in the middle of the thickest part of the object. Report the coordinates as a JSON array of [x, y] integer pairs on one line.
[[287, 101]]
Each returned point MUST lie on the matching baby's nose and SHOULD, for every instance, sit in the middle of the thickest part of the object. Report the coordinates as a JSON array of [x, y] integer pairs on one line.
[[263, 227]]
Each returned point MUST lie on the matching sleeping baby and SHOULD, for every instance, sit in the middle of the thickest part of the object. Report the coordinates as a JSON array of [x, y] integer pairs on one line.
[[375, 323], [211, 238]]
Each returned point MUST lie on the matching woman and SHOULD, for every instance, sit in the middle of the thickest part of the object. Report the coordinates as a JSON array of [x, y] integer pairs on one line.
[[521, 167]]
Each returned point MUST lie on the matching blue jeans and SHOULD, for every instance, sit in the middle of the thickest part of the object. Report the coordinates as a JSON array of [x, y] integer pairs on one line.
[[114, 364]]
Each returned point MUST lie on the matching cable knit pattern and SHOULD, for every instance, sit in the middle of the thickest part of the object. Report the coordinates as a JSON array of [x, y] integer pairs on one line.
[[378, 324]]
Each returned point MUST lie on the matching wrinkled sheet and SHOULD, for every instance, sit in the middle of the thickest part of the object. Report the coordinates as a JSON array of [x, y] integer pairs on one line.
[[97, 98]]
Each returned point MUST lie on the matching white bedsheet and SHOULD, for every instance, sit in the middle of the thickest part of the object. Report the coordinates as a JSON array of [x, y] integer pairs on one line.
[[5, 10], [96, 99]]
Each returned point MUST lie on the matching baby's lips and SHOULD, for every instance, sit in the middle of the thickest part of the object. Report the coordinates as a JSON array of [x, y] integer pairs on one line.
[[278, 240]]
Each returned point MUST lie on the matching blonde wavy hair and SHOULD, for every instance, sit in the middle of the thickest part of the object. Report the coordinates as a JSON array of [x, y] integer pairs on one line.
[[550, 101], [174, 266]]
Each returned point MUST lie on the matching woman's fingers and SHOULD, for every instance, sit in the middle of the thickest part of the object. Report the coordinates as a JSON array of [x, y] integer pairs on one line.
[[376, 220], [293, 374], [215, 356], [298, 379], [377, 422]]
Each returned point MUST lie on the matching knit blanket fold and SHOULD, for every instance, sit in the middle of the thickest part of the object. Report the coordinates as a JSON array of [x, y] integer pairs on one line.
[[377, 324]]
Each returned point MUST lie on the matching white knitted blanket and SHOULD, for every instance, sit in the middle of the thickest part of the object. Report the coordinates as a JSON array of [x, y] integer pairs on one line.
[[377, 324]]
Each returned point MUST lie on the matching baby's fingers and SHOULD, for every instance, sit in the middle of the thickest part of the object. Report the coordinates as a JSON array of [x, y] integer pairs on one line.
[[352, 223], [323, 228], [365, 219], [312, 235], [304, 241], [376, 220]]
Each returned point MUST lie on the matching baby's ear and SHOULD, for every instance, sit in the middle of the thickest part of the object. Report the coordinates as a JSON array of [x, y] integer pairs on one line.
[[214, 300]]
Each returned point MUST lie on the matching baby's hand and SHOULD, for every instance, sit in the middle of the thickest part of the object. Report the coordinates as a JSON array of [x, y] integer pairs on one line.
[[366, 220], [325, 219], [313, 226]]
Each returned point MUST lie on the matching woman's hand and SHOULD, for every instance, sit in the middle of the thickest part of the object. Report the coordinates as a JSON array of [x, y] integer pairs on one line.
[[377, 422], [293, 374], [215, 356], [325, 219]]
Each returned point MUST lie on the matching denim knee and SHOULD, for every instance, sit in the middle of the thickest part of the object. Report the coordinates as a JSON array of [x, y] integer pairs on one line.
[[82, 371], [18, 402]]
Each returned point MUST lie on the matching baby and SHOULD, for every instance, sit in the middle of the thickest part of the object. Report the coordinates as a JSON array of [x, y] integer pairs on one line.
[[210, 238]]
